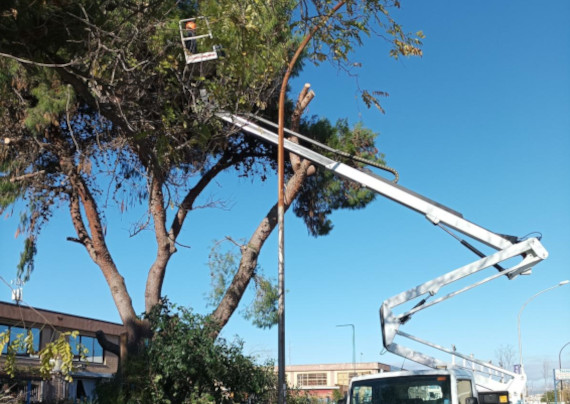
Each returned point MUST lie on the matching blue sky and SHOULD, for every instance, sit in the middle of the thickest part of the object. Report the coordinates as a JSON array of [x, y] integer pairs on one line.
[[480, 123]]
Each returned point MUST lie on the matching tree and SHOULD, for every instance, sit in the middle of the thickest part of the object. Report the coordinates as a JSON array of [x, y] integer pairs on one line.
[[505, 356], [548, 396], [546, 373], [97, 104]]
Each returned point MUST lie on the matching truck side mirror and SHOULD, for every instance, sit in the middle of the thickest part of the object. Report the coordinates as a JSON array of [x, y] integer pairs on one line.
[[471, 400]]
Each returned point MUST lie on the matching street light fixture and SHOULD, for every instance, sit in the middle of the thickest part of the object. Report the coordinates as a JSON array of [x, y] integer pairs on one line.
[[353, 346], [519, 317]]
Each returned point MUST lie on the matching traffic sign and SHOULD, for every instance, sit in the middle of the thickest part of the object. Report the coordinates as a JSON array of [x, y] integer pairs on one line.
[[562, 374]]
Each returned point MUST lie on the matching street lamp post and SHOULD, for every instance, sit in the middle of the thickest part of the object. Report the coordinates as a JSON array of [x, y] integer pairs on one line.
[[519, 319], [281, 388], [560, 365], [353, 346]]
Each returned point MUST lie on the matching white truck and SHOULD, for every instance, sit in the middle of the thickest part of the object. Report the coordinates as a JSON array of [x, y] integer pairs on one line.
[[436, 386], [471, 381]]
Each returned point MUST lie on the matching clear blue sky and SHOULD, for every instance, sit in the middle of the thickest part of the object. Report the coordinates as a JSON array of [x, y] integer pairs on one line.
[[481, 124]]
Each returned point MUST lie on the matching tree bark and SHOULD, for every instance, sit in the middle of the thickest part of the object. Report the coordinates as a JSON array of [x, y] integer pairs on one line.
[[94, 242]]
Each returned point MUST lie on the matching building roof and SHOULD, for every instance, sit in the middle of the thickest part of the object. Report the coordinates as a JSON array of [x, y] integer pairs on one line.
[[17, 314], [337, 367]]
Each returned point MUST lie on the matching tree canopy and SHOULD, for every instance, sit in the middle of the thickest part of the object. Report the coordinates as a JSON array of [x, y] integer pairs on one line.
[[97, 103]]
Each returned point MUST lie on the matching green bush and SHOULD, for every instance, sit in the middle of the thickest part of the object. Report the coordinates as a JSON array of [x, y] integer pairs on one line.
[[183, 363]]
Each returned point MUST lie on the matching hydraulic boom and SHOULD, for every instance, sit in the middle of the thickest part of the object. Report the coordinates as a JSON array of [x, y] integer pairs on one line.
[[488, 377]]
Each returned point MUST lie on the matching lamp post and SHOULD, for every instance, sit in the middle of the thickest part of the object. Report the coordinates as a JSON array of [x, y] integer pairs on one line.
[[519, 317], [560, 366], [353, 346], [281, 388]]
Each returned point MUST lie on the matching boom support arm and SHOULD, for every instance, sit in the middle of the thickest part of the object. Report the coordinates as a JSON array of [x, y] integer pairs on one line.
[[532, 251], [488, 377]]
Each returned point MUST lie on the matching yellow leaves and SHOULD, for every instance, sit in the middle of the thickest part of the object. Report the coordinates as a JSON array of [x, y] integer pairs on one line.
[[405, 49], [4, 339], [56, 356], [29, 342]]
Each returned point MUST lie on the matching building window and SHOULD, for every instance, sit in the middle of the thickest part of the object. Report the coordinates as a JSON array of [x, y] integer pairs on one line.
[[343, 378], [311, 379], [93, 351], [19, 333]]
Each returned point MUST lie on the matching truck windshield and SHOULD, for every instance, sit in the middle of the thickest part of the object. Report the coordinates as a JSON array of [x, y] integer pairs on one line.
[[431, 389]]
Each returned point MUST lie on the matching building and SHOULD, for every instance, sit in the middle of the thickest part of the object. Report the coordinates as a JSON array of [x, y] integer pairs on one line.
[[97, 364], [323, 380]]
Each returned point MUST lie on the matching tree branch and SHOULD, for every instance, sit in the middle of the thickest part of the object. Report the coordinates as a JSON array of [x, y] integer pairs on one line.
[[25, 176], [106, 344], [188, 202], [31, 62], [250, 251], [165, 246]]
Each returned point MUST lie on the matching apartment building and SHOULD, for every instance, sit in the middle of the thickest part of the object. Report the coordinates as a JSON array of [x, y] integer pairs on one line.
[[45, 325], [322, 380]]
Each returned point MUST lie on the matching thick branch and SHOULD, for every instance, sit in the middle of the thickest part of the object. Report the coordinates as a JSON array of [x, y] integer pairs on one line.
[[250, 253], [96, 245], [166, 240], [305, 97], [165, 246], [79, 225], [106, 344]]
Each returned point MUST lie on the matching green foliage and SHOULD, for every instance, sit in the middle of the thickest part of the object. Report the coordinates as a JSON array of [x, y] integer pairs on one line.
[[182, 363], [344, 30], [223, 266], [324, 192], [26, 264], [96, 101], [262, 310], [337, 396], [51, 99], [547, 397]]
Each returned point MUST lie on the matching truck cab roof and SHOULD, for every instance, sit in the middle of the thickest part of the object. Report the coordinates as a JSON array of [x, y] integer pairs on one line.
[[457, 372]]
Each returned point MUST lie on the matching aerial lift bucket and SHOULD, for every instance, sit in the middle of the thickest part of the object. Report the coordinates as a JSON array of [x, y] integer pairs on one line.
[[191, 39]]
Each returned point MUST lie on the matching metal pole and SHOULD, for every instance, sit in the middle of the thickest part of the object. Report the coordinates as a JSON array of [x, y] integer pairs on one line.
[[555, 387], [562, 283], [353, 345], [560, 368], [281, 383]]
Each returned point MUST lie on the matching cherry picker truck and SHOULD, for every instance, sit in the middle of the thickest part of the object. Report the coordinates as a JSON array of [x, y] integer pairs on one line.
[[471, 382]]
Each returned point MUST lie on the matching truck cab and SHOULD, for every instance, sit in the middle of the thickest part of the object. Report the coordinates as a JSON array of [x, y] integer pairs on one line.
[[437, 386]]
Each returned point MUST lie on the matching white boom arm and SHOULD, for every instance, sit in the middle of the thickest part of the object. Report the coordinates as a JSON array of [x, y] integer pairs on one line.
[[531, 251], [487, 376]]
